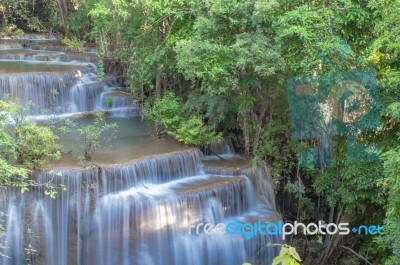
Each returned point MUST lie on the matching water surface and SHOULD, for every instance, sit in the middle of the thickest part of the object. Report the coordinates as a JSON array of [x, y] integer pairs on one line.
[[132, 140], [19, 67]]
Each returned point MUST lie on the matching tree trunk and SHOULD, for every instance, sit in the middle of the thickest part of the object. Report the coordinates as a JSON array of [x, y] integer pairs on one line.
[[260, 123], [63, 12], [246, 132], [165, 84], [158, 86]]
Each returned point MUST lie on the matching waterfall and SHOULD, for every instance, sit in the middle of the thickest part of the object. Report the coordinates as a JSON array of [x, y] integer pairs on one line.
[[34, 89], [69, 58], [119, 102], [259, 175], [152, 170], [44, 56], [48, 226], [21, 56], [70, 87], [57, 48], [84, 96], [156, 215], [65, 92], [36, 36], [10, 45], [132, 213], [223, 147]]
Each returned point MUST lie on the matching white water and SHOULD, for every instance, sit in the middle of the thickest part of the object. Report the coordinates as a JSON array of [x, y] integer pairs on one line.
[[134, 213], [63, 91]]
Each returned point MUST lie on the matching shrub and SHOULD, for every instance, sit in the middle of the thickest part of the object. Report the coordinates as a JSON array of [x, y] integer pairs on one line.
[[36, 144], [74, 44], [95, 135], [32, 145], [191, 130]]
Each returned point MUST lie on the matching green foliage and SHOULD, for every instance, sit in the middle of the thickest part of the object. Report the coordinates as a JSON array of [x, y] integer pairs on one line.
[[219, 111], [9, 170], [189, 130], [307, 36], [276, 145], [11, 31], [386, 58], [19, 32], [213, 63], [37, 16], [36, 144], [287, 256], [108, 102], [244, 65], [100, 69], [202, 68], [24, 145], [74, 44], [94, 136], [390, 184], [79, 24], [29, 143]]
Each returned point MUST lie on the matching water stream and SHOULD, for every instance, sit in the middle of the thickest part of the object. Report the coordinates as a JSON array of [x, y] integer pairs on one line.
[[136, 206]]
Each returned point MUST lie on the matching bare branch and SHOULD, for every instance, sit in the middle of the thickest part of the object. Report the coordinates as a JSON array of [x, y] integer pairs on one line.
[[358, 255]]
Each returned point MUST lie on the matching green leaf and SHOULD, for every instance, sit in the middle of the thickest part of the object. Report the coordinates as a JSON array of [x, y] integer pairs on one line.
[[294, 254], [277, 260]]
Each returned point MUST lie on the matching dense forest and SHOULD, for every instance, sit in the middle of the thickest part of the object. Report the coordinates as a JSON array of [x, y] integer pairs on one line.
[[206, 70]]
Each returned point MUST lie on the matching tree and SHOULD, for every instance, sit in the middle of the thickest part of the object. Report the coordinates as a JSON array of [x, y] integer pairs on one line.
[[244, 64], [36, 144], [190, 130], [8, 152], [24, 146], [37, 16], [385, 55], [32, 145], [392, 183], [94, 136]]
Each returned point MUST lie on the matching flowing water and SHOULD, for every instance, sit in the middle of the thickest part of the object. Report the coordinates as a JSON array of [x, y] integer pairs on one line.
[[138, 204], [49, 82]]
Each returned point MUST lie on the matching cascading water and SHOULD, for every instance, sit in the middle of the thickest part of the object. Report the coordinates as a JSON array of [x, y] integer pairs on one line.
[[151, 170], [119, 102], [72, 92], [134, 213], [34, 46], [44, 56], [43, 80], [160, 214], [36, 36], [223, 147], [137, 212], [34, 89], [260, 177], [10, 45], [49, 227]]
